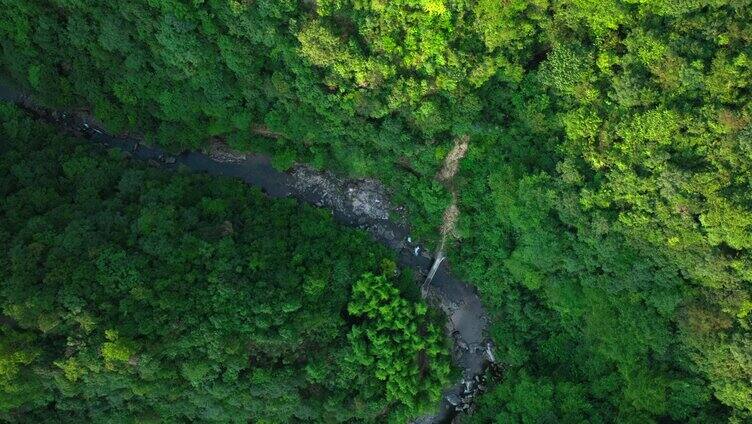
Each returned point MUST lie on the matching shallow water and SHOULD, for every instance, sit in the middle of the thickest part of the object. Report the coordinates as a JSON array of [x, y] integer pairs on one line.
[[466, 318]]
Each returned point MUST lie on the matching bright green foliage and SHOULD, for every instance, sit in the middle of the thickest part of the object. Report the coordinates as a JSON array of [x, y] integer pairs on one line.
[[625, 259], [605, 199], [132, 294], [116, 351], [399, 343], [19, 386]]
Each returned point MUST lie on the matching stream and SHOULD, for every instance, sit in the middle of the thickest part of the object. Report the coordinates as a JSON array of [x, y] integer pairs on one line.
[[361, 203]]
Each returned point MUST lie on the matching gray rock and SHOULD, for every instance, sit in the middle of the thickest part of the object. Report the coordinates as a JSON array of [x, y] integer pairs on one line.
[[461, 344], [453, 399], [221, 152], [489, 352], [364, 199]]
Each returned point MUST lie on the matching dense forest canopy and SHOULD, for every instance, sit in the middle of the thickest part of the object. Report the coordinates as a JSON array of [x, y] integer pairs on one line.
[[606, 209], [132, 294]]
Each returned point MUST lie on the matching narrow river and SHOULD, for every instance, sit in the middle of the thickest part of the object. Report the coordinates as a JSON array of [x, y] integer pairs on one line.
[[466, 319]]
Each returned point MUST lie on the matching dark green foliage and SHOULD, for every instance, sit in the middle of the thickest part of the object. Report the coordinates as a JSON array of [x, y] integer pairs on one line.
[[606, 214], [132, 294]]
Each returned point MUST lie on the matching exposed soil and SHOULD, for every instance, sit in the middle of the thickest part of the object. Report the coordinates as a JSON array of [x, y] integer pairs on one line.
[[452, 160], [446, 175]]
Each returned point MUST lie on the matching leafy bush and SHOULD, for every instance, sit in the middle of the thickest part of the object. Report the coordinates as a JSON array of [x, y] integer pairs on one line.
[[398, 344]]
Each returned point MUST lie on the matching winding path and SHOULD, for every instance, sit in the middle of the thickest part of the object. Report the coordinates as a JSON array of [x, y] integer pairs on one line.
[[466, 319]]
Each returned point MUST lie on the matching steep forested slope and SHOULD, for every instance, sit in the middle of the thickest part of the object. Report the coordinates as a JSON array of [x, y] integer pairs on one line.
[[605, 202], [131, 294]]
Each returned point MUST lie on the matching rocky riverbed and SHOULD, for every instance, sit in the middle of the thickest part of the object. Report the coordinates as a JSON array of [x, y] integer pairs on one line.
[[361, 203]]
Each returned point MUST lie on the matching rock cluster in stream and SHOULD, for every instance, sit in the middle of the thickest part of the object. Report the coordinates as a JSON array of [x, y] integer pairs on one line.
[[364, 198], [221, 152], [472, 387]]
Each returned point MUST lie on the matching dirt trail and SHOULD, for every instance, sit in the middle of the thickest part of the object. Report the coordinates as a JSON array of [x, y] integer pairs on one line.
[[446, 174], [471, 348], [360, 203]]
